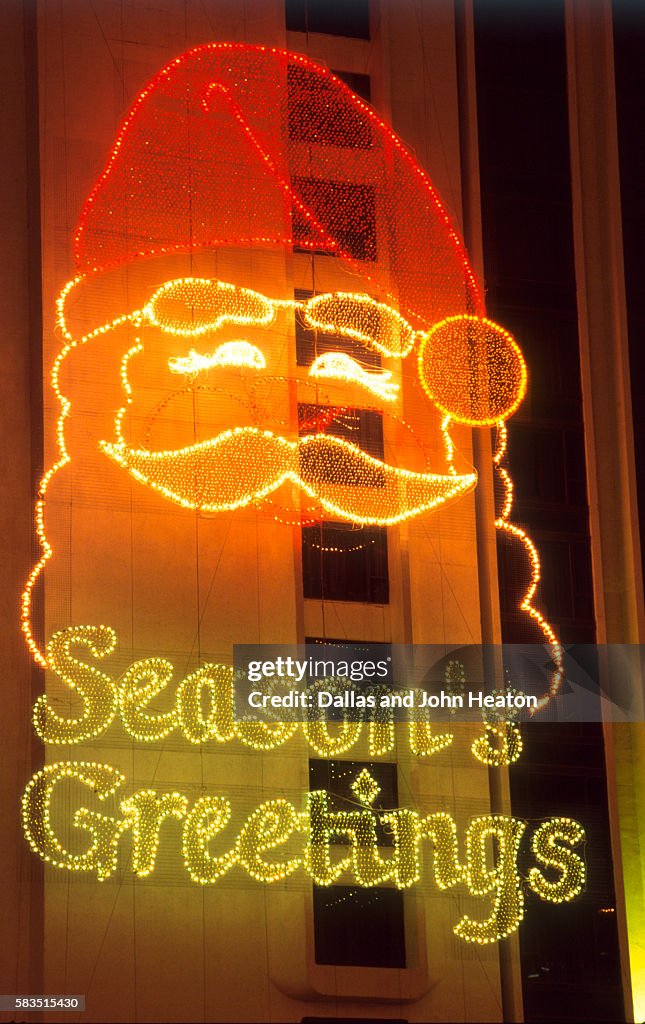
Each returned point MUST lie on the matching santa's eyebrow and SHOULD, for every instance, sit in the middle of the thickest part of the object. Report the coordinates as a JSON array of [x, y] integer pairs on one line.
[[229, 303], [358, 316], [353, 315]]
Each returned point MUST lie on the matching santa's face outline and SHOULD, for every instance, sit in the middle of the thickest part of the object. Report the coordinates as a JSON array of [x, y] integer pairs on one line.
[[199, 476], [91, 258]]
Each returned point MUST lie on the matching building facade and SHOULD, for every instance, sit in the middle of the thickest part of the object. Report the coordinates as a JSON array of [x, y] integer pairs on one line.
[[513, 117]]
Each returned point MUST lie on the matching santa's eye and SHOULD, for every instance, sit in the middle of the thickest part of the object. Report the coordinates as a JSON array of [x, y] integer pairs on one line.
[[340, 366], [360, 317], [191, 306], [230, 353]]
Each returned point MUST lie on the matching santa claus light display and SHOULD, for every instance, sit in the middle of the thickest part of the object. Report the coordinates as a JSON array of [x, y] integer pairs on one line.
[[183, 392]]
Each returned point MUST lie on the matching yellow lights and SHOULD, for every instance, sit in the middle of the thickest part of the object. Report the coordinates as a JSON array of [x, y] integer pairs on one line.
[[404, 827], [441, 830], [209, 816], [276, 840], [499, 746], [145, 812], [423, 743], [502, 879], [455, 678], [203, 705], [203, 711], [202, 708], [95, 688], [127, 388], [272, 824], [206, 476], [241, 466], [140, 684], [552, 845], [217, 455], [357, 316], [366, 490], [269, 826], [230, 353], [343, 479], [365, 788], [472, 369], [63, 454], [103, 780], [326, 827], [214, 684], [340, 549], [503, 523], [191, 306], [328, 743], [381, 736], [263, 735], [340, 366]]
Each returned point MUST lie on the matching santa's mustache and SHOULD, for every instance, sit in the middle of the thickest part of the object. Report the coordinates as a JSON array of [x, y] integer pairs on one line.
[[243, 465]]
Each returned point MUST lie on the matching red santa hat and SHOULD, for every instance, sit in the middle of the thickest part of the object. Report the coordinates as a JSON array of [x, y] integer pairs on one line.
[[232, 145]]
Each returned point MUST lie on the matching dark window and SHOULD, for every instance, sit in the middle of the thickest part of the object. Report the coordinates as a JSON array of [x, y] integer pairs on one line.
[[363, 427], [355, 649], [548, 466], [358, 649], [360, 84], [346, 212], [337, 778], [565, 588], [570, 593], [312, 343], [547, 337], [536, 265], [333, 17], [342, 563], [318, 114], [359, 927]]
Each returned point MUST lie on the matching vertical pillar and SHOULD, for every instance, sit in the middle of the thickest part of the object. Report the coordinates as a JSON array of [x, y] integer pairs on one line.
[[618, 584], [21, 918]]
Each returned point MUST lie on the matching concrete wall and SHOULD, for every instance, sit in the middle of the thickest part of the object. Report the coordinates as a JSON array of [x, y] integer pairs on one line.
[[21, 917]]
